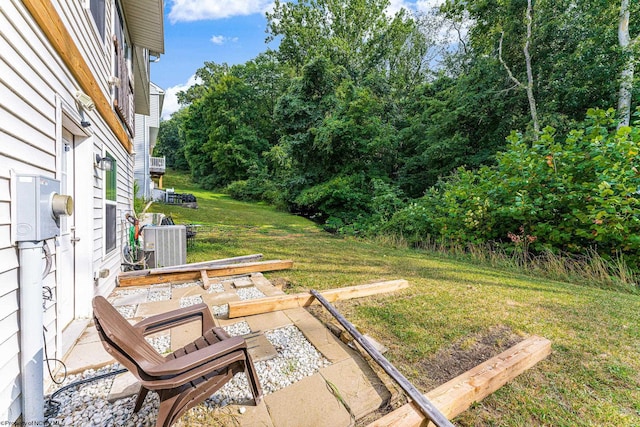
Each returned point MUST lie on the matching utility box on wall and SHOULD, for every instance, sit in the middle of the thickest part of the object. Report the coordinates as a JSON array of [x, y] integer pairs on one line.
[[39, 207]]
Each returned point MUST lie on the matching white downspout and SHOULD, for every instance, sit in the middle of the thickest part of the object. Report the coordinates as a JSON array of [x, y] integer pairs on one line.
[[31, 341]]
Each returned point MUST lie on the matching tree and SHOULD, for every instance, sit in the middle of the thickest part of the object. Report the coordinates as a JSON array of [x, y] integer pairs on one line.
[[230, 123], [171, 141], [355, 34], [628, 69], [337, 146], [529, 86], [577, 55]]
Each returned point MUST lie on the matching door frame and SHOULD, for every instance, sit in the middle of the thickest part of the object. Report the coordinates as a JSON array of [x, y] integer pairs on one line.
[[68, 117], [65, 294]]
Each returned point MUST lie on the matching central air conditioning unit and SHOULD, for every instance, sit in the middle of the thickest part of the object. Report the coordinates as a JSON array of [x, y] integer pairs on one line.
[[165, 245]]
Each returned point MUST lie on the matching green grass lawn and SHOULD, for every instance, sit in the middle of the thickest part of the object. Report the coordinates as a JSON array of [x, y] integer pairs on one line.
[[592, 377]]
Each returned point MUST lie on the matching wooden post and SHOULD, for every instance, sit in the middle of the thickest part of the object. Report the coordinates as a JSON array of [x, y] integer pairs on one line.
[[457, 395], [205, 279]]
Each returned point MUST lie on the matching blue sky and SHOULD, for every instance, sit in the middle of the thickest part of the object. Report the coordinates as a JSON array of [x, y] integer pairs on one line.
[[231, 31]]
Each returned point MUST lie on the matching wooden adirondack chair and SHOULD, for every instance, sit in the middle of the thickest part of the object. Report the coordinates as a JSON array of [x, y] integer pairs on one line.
[[185, 377]]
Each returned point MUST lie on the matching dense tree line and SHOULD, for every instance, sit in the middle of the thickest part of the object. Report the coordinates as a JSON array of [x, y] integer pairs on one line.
[[372, 123]]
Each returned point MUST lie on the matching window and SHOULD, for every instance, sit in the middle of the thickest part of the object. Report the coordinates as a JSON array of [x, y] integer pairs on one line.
[[123, 91], [98, 12], [110, 195]]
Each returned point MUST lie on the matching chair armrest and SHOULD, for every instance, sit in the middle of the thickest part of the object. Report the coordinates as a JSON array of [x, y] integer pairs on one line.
[[198, 358], [221, 333], [170, 319]]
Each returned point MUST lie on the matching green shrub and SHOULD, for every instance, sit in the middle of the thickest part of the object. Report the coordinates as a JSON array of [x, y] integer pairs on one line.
[[572, 193], [241, 190], [256, 189], [414, 223], [337, 202]]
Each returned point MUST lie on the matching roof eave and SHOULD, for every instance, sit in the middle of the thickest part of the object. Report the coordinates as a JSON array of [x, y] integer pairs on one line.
[[145, 23]]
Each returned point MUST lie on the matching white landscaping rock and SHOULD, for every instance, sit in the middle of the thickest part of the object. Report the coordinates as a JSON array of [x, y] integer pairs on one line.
[[87, 404]]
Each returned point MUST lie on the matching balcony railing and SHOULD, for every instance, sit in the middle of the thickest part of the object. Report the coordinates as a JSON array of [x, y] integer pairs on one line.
[[156, 165]]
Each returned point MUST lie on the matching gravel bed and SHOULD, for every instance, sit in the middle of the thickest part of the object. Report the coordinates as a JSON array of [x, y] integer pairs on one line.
[[220, 310], [127, 311], [216, 287], [249, 293], [296, 359], [237, 329], [189, 301], [127, 292], [162, 343], [186, 285], [87, 404], [159, 294]]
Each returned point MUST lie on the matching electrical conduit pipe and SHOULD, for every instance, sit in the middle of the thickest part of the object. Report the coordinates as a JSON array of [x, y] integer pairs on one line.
[[31, 341]]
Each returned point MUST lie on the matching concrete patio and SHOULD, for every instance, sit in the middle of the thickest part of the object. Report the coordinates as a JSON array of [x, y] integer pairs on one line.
[[338, 394]]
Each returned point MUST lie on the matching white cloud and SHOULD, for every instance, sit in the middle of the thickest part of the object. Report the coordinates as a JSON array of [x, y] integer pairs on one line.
[[220, 40], [198, 10], [427, 5], [170, 104], [396, 5], [217, 39], [419, 6]]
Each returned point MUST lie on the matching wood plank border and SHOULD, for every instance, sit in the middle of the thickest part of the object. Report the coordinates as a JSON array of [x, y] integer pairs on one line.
[[305, 299], [47, 18], [213, 271], [457, 395], [193, 266]]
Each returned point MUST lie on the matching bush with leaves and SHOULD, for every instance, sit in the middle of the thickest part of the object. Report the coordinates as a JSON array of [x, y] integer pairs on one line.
[[573, 193]]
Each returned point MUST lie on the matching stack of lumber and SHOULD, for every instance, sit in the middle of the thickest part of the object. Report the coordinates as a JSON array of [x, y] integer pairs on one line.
[[201, 271]]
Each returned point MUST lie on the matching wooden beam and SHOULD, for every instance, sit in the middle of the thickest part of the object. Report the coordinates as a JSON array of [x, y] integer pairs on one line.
[[47, 18], [457, 395], [305, 299], [205, 279], [193, 266], [213, 271]]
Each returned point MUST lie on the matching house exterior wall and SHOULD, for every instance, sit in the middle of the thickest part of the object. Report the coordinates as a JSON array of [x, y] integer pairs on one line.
[[37, 102], [147, 128], [141, 147]]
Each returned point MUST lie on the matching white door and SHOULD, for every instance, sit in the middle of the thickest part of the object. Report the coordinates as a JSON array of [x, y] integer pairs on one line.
[[65, 252]]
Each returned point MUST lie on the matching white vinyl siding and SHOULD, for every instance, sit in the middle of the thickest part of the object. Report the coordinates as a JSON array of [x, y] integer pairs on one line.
[[147, 128], [32, 78]]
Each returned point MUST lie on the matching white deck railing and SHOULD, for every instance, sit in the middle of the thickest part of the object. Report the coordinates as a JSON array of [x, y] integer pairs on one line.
[[156, 165]]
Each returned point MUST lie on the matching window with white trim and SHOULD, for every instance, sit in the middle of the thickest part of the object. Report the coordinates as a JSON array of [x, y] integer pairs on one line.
[[123, 102], [97, 8], [110, 196]]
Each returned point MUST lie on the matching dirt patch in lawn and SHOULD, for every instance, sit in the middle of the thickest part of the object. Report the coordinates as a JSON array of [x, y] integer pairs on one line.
[[446, 364], [466, 354]]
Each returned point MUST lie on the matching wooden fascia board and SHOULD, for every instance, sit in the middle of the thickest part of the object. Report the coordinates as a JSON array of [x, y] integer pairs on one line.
[[47, 18]]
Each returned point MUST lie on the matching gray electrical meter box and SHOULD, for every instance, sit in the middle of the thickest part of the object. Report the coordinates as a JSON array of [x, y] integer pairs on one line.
[[39, 207]]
